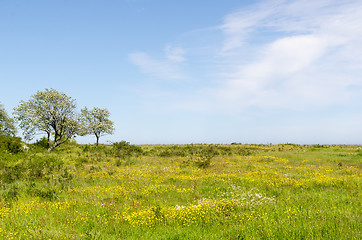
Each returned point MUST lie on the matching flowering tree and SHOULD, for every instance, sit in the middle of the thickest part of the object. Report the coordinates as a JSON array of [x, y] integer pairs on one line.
[[96, 121], [7, 127], [48, 112]]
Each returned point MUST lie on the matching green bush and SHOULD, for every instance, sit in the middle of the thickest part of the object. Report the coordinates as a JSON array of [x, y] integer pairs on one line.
[[205, 156], [172, 151], [124, 149], [40, 166], [48, 193], [201, 157], [42, 143], [10, 144]]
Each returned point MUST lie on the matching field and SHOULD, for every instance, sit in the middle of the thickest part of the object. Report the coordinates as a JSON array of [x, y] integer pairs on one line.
[[191, 191]]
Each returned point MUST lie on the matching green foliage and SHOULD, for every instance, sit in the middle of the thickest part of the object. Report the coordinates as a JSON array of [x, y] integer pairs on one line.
[[7, 124], [205, 156], [96, 121], [193, 149], [11, 172], [201, 157], [175, 150], [49, 112], [125, 161], [42, 167], [42, 143], [11, 195], [45, 193], [10, 144], [86, 148], [157, 211], [124, 149]]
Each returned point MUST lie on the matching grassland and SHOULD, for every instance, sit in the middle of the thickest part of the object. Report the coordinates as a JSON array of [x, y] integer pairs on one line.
[[182, 192]]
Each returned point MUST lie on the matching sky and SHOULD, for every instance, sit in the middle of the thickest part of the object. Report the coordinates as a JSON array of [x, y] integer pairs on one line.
[[179, 72]]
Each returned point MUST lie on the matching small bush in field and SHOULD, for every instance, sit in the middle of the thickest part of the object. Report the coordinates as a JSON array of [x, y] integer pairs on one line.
[[47, 193], [124, 149], [203, 162], [202, 158]]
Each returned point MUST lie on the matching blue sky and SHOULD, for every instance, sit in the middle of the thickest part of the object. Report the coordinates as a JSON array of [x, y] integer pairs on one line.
[[193, 71]]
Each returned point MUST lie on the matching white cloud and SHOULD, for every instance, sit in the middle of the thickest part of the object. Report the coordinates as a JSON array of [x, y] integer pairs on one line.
[[308, 61], [175, 54], [168, 68], [285, 56], [238, 25]]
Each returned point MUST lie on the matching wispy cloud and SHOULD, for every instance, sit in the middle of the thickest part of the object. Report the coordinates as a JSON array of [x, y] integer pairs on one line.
[[167, 68], [175, 54], [237, 26], [309, 59]]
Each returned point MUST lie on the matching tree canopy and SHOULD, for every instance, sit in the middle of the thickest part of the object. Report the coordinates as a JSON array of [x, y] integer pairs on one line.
[[96, 121], [7, 124], [49, 112]]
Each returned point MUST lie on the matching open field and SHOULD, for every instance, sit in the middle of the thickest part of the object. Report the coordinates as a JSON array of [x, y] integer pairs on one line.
[[182, 192]]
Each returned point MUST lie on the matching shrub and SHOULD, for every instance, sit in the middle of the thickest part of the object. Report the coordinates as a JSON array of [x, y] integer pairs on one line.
[[172, 151], [124, 149], [11, 172], [49, 194], [43, 143], [202, 157], [38, 167], [10, 144]]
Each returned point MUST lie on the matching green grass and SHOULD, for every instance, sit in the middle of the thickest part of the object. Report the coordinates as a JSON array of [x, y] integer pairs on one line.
[[247, 192]]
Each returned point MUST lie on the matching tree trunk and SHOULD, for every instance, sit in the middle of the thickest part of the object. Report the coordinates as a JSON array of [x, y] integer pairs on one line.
[[54, 146], [48, 144], [97, 141]]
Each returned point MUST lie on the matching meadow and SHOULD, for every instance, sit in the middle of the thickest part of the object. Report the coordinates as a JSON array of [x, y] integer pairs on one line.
[[194, 191]]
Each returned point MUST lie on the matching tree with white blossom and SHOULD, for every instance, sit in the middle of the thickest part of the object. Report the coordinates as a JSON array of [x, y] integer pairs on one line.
[[49, 112], [96, 121], [7, 124]]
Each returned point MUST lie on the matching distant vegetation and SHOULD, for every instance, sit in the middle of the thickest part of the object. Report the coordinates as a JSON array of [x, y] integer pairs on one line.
[[195, 191]]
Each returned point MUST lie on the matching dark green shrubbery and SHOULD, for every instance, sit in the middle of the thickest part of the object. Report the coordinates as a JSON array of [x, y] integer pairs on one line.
[[192, 149], [201, 156], [41, 166], [42, 143], [205, 156], [37, 176], [10, 144], [124, 149], [10, 172], [174, 150]]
